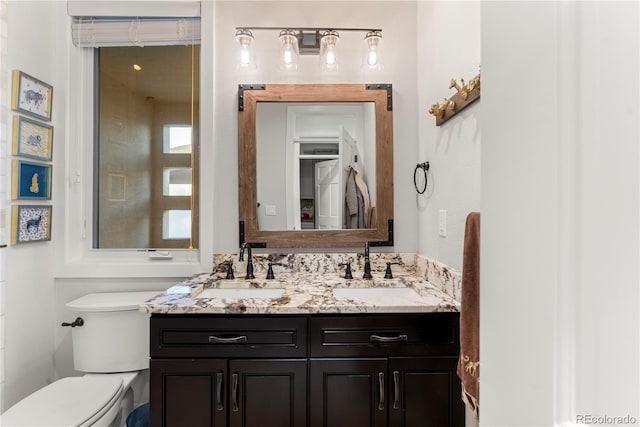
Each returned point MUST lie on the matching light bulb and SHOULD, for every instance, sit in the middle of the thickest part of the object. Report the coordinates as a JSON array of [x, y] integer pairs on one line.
[[372, 58], [245, 56], [331, 57]]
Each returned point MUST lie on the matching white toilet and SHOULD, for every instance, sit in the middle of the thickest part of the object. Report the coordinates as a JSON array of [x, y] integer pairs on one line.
[[112, 348]]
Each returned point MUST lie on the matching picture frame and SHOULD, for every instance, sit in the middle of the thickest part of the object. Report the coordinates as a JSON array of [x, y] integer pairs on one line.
[[32, 139], [30, 181], [30, 223], [31, 96]]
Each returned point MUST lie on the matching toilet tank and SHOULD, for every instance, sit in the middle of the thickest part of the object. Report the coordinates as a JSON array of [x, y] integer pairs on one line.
[[115, 334]]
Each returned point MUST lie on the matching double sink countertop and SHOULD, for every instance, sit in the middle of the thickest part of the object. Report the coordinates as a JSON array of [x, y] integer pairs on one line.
[[316, 291]]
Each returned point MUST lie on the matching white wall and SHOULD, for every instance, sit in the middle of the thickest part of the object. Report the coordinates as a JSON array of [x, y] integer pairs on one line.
[[32, 42], [448, 47], [4, 108], [560, 191], [397, 20]]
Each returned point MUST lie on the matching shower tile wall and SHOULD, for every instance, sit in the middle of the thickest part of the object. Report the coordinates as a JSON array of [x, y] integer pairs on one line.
[[4, 107]]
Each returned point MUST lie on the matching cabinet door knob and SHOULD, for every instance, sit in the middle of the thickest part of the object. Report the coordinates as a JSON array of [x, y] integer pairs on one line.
[[381, 383]]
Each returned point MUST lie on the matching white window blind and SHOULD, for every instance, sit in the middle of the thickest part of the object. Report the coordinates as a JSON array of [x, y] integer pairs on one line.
[[106, 23], [117, 8], [108, 32]]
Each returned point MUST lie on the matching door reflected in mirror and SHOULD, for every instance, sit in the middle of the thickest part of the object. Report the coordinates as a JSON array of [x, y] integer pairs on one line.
[[315, 165]]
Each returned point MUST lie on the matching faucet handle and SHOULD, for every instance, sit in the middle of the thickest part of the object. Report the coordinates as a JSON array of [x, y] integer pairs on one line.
[[270, 272], [228, 265], [347, 272], [230, 271], [387, 273]]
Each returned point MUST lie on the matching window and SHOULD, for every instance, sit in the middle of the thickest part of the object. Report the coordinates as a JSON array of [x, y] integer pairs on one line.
[[146, 166], [176, 139], [176, 182], [176, 224]]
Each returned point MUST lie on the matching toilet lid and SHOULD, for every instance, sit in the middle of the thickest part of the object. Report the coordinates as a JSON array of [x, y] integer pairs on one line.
[[69, 402]]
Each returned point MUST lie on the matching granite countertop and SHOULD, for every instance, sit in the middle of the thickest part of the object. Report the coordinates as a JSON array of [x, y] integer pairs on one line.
[[303, 292]]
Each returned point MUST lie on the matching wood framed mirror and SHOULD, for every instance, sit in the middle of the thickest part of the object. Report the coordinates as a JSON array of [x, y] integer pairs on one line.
[[347, 199]]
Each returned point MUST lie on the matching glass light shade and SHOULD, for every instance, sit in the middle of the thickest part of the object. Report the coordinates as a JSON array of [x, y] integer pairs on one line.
[[372, 59], [245, 57], [329, 50], [289, 53]]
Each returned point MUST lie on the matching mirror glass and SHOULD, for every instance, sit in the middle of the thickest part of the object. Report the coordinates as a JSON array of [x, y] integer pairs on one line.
[[315, 165]]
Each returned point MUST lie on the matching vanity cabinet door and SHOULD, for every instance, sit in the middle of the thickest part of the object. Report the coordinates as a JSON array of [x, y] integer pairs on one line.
[[268, 393], [424, 392], [188, 392], [348, 393]]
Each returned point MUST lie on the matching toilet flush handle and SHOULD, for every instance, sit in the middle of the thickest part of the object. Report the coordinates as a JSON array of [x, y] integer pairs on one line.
[[78, 322]]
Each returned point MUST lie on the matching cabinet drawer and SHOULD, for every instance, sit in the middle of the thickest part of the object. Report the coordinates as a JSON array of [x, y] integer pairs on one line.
[[224, 336], [415, 335]]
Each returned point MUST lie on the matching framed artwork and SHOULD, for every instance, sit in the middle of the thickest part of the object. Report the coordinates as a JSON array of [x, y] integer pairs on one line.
[[30, 223], [31, 96], [32, 138], [31, 181]]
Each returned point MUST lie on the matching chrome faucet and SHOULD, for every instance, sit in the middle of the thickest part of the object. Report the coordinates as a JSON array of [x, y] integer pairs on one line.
[[367, 263], [247, 245]]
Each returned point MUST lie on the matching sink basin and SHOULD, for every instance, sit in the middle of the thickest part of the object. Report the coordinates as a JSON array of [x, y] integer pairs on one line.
[[243, 293], [375, 293]]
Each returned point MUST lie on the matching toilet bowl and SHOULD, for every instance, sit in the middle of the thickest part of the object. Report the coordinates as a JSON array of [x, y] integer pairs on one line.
[[112, 348]]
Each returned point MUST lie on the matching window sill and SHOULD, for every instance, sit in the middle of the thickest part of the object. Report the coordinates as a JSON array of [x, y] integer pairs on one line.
[[135, 263]]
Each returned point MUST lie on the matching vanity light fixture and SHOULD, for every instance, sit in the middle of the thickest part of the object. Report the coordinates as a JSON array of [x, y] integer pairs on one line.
[[289, 53], [246, 56], [372, 58], [329, 50], [324, 42]]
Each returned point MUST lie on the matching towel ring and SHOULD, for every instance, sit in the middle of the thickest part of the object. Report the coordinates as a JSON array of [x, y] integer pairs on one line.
[[425, 167]]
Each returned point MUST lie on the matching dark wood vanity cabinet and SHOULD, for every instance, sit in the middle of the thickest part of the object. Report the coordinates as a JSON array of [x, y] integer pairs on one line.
[[232, 371], [385, 370], [316, 370]]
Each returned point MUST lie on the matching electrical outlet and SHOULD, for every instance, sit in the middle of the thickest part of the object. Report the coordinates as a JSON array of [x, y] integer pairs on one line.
[[442, 223], [270, 210]]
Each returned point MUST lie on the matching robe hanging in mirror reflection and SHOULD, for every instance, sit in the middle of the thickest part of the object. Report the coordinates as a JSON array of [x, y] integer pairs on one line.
[[358, 210]]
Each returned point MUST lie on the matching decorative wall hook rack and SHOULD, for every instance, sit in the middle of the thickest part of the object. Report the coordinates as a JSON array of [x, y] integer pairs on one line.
[[466, 94]]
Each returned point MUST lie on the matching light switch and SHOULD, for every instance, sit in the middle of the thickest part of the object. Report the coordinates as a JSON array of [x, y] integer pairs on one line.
[[442, 223], [270, 210]]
